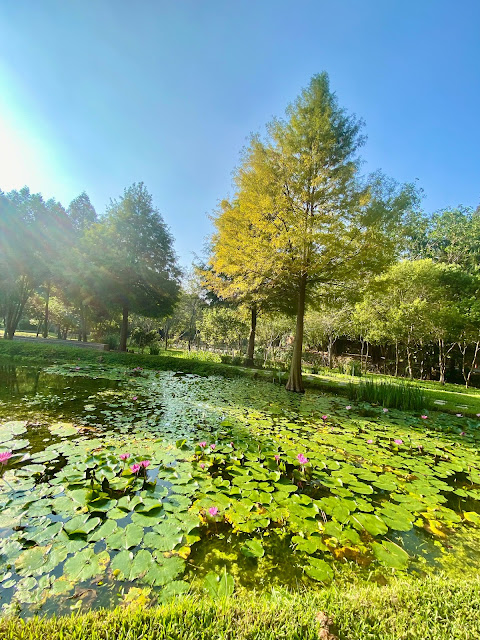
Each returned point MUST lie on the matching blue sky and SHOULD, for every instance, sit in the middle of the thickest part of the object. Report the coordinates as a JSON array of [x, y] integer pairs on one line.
[[98, 94]]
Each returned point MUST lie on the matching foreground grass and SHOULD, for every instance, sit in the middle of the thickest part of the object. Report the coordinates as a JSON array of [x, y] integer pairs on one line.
[[437, 608], [454, 398]]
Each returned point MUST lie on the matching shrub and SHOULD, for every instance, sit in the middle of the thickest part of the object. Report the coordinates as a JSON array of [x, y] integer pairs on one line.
[[143, 338], [112, 341], [350, 368], [154, 349], [226, 359]]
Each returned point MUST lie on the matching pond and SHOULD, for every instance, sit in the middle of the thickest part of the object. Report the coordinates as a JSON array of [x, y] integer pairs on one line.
[[126, 484]]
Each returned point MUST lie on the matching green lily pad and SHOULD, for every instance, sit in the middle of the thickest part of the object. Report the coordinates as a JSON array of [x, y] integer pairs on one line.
[[126, 538], [253, 549], [390, 554], [319, 570]]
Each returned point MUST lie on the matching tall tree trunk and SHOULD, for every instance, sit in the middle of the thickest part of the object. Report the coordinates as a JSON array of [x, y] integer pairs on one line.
[[422, 360], [397, 358], [82, 334], [441, 360], [473, 365], [409, 361], [165, 333], [251, 337], [331, 343], [124, 330], [13, 317], [45, 317], [295, 382]]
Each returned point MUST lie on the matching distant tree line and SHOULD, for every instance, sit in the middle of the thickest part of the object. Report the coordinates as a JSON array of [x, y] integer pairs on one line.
[[71, 268]]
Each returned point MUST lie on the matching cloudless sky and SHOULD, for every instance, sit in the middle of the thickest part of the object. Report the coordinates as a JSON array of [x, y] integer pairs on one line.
[[98, 94]]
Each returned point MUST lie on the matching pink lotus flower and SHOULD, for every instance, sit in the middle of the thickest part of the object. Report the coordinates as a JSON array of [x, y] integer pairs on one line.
[[459, 415], [124, 456], [213, 511], [202, 444], [277, 457], [4, 456], [145, 463], [324, 418], [424, 417], [463, 433], [134, 398], [231, 444], [302, 459], [478, 415], [212, 446], [77, 368], [398, 441], [135, 468], [369, 441], [202, 466], [348, 407], [385, 410]]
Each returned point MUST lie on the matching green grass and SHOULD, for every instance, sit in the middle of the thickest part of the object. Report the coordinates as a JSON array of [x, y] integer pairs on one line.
[[434, 608], [392, 394]]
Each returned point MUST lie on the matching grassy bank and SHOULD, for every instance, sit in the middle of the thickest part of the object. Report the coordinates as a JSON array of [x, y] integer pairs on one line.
[[449, 398], [437, 608], [30, 353]]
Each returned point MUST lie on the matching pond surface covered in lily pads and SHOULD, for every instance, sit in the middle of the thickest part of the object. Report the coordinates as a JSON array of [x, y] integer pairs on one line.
[[130, 483]]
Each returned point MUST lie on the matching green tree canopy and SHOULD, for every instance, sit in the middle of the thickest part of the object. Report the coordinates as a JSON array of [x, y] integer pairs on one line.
[[133, 260], [33, 234]]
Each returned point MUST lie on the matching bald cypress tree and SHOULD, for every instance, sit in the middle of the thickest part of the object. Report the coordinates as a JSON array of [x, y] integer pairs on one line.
[[303, 217]]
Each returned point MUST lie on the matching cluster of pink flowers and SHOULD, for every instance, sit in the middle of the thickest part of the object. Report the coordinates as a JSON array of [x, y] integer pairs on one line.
[[5, 456], [135, 468]]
